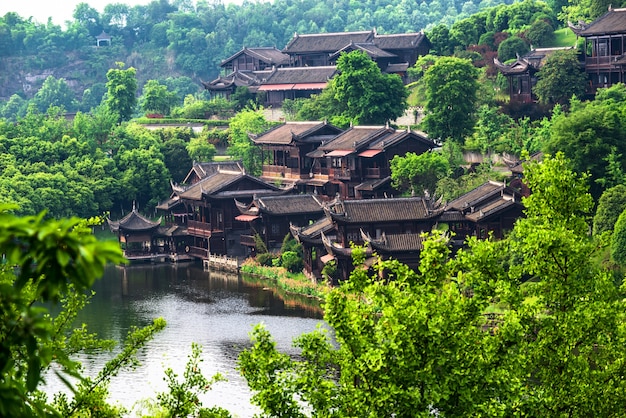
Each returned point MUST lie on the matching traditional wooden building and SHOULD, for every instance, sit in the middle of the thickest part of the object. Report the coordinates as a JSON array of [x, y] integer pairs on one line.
[[206, 207], [295, 83], [522, 73], [285, 149], [385, 222], [322, 49], [247, 68], [136, 233], [604, 48], [270, 217], [491, 208], [306, 64], [356, 163]]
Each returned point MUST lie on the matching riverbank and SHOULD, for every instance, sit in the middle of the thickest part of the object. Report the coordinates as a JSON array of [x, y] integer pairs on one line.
[[292, 283]]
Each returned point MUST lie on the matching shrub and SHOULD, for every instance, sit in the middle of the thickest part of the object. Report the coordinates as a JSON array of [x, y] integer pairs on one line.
[[292, 261], [265, 259]]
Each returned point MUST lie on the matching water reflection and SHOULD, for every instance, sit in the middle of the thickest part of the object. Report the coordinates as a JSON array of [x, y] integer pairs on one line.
[[215, 310]]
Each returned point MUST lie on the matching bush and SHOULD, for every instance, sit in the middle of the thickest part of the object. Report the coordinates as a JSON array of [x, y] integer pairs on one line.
[[265, 259], [291, 261]]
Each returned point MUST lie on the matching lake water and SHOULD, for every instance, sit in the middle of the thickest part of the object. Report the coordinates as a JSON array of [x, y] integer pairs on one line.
[[213, 309]]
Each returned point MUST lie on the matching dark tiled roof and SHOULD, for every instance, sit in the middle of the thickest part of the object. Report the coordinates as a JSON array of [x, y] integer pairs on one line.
[[370, 49], [313, 232], [474, 197], [399, 41], [357, 137], [381, 210], [325, 42], [237, 78], [393, 138], [211, 184], [290, 131], [269, 55], [371, 185], [397, 68], [295, 75], [520, 66], [291, 204], [492, 208], [451, 216], [398, 242], [134, 221], [202, 170], [614, 21]]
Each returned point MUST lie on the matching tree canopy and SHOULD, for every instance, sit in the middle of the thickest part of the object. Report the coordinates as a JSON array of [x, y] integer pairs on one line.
[[418, 342], [369, 96], [451, 86]]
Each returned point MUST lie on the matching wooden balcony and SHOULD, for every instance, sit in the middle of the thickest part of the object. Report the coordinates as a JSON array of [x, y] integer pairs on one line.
[[281, 171], [199, 229], [341, 173]]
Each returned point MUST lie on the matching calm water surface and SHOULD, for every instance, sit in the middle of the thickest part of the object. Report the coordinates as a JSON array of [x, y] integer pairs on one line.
[[213, 309]]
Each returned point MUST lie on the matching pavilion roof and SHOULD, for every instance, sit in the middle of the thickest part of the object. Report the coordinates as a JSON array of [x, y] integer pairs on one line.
[[289, 132], [325, 42], [612, 22], [134, 221], [381, 210]]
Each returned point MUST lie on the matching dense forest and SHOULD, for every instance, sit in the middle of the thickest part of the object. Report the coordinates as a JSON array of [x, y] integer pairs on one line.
[[185, 42]]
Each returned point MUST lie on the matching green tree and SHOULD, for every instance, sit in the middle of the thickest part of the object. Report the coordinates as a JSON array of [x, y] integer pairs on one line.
[[418, 174], [511, 48], [589, 131], [560, 78], [370, 96], [540, 33], [156, 98], [618, 241], [611, 204], [121, 91], [55, 92], [200, 150], [57, 259], [451, 86], [248, 121]]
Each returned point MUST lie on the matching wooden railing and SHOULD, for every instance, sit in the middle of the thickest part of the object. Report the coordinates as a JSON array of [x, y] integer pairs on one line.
[[198, 228], [280, 171]]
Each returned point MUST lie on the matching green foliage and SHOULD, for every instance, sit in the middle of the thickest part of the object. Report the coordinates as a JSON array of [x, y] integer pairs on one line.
[[292, 261], [194, 108], [410, 342], [55, 92], [419, 174], [591, 130], [156, 98], [560, 78], [248, 121], [511, 48], [121, 91], [200, 150], [618, 241], [55, 259], [370, 97], [611, 204], [451, 86], [540, 34], [183, 397]]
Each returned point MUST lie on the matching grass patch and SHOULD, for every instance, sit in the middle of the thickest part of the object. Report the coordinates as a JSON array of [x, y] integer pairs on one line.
[[290, 282], [563, 37]]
